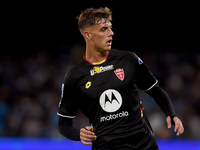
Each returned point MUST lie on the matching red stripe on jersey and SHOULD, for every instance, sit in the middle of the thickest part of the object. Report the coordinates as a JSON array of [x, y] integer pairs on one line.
[[142, 109], [91, 62]]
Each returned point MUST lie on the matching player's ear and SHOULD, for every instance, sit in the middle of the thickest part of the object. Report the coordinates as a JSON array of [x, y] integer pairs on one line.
[[86, 34]]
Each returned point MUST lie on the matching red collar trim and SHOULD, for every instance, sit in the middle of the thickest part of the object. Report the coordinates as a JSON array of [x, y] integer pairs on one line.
[[91, 62]]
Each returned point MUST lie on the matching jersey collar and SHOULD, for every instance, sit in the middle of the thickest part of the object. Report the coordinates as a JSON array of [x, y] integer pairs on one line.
[[97, 63]]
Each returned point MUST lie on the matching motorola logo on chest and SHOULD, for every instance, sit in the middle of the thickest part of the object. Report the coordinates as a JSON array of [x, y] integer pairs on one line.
[[111, 101]]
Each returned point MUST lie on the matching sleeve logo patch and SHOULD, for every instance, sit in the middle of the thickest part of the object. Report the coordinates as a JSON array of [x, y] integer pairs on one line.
[[62, 93], [140, 61], [62, 90]]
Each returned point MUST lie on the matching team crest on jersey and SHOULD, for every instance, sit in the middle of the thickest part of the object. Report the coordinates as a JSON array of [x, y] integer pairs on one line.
[[101, 69], [120, 74]]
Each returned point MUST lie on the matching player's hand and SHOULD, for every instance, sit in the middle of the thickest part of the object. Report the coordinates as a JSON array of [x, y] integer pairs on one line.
[[178, 125], [86, 135]]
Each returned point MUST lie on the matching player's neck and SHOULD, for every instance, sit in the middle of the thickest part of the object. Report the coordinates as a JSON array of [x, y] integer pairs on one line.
[[95, 56]]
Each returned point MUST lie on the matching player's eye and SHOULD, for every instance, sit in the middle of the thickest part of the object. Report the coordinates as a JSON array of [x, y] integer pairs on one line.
[[103, 29]]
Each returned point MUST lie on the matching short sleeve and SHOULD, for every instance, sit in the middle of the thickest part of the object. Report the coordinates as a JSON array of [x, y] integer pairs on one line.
[[67, 104], [144, 78]]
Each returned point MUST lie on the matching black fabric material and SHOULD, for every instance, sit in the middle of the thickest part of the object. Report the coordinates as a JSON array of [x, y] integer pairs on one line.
[[108, 95], [144, 78], [163, 101], [66, 128]]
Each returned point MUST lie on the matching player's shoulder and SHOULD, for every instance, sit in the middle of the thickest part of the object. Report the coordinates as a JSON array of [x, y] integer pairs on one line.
[[124, 53], [77, 66], [77, 70]]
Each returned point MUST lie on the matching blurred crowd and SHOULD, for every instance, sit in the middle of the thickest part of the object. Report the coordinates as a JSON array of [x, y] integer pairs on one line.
[[30, 89]]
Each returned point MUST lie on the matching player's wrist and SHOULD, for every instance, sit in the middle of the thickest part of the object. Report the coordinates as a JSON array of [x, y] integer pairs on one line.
[[172, 119]]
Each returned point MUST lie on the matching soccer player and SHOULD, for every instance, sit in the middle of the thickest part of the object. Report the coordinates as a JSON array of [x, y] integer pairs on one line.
[[104, 86]]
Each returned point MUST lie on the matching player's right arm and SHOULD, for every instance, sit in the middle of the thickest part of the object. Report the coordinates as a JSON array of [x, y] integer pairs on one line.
[[67, 111], [66, 128]]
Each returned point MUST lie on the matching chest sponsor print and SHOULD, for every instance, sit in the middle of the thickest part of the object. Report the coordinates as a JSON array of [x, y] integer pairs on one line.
[[111, 101], [97, 70]]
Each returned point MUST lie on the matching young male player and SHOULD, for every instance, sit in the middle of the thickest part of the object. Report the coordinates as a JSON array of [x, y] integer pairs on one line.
[[104, 86]]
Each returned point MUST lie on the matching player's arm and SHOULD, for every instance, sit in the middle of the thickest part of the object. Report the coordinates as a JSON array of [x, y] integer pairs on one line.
[[164, 102], [147, 82], [66, 128], [67, 111]]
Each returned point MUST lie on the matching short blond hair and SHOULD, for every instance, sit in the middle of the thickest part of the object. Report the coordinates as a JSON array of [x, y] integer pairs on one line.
[[92, 16]]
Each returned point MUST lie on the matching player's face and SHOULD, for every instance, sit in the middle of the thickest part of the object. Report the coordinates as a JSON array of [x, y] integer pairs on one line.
[[101, 35]]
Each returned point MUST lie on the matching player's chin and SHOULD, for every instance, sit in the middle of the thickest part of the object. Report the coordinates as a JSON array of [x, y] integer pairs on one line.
[[108, 48], [105, 48]]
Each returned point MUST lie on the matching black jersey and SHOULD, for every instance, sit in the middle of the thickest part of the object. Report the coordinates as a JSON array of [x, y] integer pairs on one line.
[[108, 95]]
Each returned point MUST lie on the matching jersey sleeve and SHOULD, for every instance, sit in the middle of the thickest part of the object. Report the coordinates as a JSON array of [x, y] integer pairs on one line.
[[67, 104], [144, 78]]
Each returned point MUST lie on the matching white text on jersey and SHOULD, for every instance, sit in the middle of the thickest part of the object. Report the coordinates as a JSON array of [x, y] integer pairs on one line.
[[100, 69]]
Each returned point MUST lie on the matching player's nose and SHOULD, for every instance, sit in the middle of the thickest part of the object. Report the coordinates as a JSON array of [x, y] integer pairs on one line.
[[111, 33]]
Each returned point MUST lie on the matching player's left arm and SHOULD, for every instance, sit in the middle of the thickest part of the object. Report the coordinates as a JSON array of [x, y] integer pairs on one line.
[[164, 102], [148, 83]]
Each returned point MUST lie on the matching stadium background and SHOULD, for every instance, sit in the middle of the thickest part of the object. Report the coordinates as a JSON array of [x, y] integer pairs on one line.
[[41, 42]]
